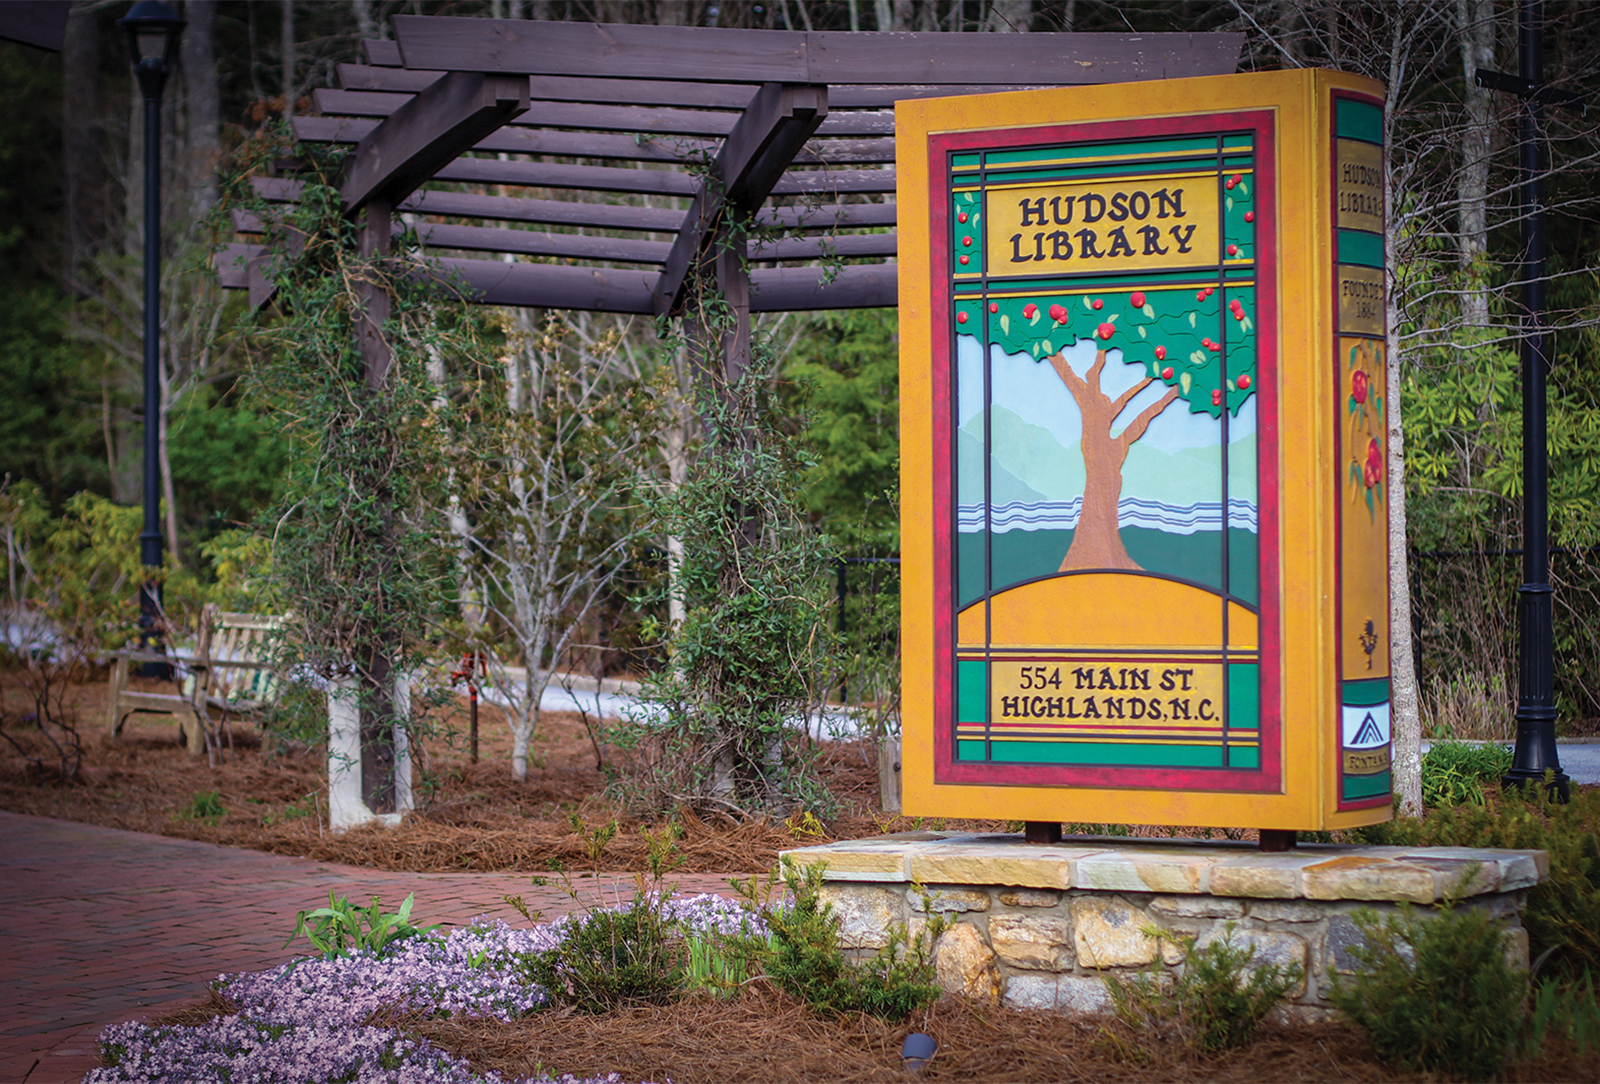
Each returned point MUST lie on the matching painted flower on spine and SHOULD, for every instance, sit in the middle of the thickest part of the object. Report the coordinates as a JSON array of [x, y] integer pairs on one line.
[[1372, 471], [1358, 386]]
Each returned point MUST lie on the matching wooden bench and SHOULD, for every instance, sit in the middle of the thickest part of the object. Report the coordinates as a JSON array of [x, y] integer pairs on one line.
[[231, 672]]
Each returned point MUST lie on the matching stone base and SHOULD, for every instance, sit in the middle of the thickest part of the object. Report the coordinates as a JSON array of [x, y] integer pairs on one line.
[[1040, 926], [346, 807]]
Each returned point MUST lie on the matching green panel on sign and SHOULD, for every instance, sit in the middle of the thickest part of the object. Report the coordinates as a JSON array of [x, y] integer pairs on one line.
[[1361, 248], [1200, 144], [966, 161], [971, 691], [1053, 173], [1366, 693], [1139, 756], [1357, 787], [1358, 120], [969, 750], [969, 568], [1245, 758], [1244, 565], [1244, 695], [1146, 280]]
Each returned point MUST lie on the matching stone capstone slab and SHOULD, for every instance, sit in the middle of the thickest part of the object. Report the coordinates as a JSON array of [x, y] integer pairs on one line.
[[1217, 868], [1369, 877]]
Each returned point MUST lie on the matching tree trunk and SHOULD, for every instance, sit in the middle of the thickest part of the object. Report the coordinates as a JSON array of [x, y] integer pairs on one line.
[[201, 102], [83, 170], [1097, 541], [1009, 16], [1406, 719], [168, 492], [1475, 31], [524, 721], [366, 22], [286, 77]]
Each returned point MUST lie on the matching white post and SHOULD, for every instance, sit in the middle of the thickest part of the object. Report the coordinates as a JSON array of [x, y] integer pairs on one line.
[[346, 809]]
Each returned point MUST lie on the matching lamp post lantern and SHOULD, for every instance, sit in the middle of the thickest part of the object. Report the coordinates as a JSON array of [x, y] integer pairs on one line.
[[153, 29]]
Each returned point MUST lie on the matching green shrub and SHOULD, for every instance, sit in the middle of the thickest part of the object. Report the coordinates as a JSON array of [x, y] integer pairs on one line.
[[342, 928], [1563, 913], [803, 956], [1437, 994], [1213, 1002], [611, 958], [1455, 773]]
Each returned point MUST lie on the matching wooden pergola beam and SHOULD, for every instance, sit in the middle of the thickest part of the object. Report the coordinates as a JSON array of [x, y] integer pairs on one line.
[[605, 216], [600, 90], [777, 123], [530, 285], [427, 132], [626, 148], [642, 120], [700, 54]]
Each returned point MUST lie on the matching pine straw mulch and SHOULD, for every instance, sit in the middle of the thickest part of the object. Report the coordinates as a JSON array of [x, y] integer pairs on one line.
[[767, 1036], [471, 817]]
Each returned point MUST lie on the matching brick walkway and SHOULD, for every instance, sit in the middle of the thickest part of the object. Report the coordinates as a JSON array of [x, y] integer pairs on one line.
[[103, 925]]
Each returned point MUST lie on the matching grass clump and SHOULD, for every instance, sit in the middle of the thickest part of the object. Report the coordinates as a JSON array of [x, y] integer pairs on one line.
[[1435, 995], [1455, 773], [343, 928], [206, 806], [1568, 1010], [1215, 1000]]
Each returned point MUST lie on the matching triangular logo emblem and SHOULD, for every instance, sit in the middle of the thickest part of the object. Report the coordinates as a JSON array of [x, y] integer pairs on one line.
[[1370, 733]]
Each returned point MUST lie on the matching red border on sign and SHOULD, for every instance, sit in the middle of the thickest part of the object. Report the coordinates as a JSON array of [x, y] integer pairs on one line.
[[947, 770]]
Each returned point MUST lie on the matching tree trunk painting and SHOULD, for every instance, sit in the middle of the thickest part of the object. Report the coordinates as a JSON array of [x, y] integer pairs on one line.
[[1097, 543]]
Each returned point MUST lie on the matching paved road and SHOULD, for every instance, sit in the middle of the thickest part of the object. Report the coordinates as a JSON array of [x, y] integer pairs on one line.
[[103, 925]]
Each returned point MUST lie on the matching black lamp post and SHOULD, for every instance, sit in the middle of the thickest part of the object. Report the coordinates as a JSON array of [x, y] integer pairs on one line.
[[1535, 751], [153, 30]]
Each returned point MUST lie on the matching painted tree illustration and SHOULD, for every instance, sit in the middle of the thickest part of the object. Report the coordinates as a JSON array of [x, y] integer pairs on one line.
[[1175, 336]]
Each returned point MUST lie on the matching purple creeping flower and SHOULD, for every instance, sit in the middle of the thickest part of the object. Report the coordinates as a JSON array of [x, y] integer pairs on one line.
[[304, 1022], [469, 972], [234, 1048]]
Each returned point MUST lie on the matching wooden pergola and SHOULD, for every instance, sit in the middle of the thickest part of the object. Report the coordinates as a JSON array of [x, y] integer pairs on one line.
[[700, 129], [794, 127]]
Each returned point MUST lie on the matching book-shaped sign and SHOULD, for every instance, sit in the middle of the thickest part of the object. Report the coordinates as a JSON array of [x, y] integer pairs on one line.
[[1144, 526]]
